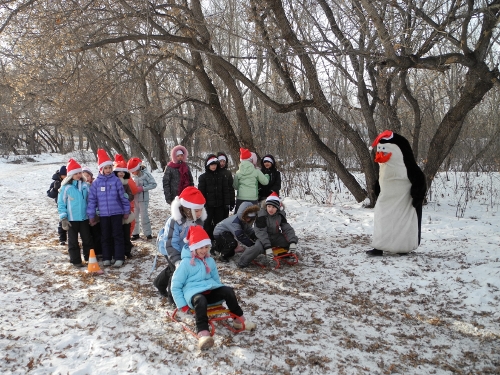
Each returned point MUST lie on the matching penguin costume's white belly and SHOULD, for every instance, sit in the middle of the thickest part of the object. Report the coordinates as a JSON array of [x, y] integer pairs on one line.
[[395, 219]]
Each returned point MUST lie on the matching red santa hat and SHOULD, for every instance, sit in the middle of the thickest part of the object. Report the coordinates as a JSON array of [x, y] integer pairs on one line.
[[273, 200], [134, 164], [191, 197], [119, 164], [196, 238], [103, 159], [245, 154], [386, 134], [212, 160], [73, 167]]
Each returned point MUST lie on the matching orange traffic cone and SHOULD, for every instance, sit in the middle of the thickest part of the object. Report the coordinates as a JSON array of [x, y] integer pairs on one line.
[[93, 265]]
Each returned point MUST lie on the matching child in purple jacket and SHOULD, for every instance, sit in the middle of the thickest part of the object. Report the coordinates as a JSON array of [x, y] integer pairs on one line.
[[108, 198]]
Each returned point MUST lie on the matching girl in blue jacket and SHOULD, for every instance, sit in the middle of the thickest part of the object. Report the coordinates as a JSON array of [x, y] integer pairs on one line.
[[196, 284], [72, 207]]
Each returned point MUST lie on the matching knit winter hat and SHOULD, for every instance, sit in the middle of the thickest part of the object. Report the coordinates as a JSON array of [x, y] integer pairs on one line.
[[103, 159], [134, 164], [87, 169], [196, 238], [73, 167], [191, 197], [63, 171], [273, 200], [179, 152], [212, 160], [119, 165], [267, 158], [222, 157], [245, 154]]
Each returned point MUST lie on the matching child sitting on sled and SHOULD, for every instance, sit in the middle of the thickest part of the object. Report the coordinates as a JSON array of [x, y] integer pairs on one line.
[[271, 230], [196, 284]]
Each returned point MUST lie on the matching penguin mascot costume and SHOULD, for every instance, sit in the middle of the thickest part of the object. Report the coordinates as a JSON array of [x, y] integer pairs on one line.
[[400, 189]]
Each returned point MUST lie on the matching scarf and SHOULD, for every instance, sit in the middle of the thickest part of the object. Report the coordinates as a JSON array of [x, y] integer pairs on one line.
[[184, 172], [193, 256]]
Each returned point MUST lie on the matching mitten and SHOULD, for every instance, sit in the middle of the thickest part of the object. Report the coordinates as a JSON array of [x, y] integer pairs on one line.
[[65, 224], [269, 255], [185, 309], [125, 217], [140, 189], [292, 248]]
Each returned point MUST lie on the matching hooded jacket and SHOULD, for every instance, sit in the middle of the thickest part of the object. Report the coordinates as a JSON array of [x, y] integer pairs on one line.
[[246, 181], [54, 186], [108, 196], [189, 280], [176, 229], [269, 226], [214, 186], [72, 199], [172, 176], [237, 225], [147, 181], [274, 179]]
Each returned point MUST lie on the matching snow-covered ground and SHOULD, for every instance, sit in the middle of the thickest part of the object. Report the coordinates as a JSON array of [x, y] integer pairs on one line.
[[435, 311]]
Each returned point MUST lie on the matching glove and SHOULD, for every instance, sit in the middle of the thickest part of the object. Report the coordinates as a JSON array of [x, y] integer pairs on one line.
[[125, 217], [269, 255], [292, 248], [92, 221], [185, 309], [140, 189], [65, 224]]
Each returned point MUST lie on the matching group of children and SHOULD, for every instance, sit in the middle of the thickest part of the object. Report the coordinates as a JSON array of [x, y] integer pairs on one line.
[[101, 210], [199, 225]]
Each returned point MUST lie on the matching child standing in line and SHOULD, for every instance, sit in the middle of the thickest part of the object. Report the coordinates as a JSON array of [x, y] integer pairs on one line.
[[196, 284], [108, 196], [177, 174], [268, 166], [95, 230], [145, 182], [214, 187], [223, 164], [246, 180], [271, 230], [53, 193], [187, 210], [72, 207], [121, 171]]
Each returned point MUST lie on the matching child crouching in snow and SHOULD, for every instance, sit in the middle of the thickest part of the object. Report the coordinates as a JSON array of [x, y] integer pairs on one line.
[[196, 284]]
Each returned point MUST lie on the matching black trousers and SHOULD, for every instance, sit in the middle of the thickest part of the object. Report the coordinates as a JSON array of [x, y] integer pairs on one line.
[[225, 244], [83, 228], [200, 303], [96, 238], [214, 216], [112, 237]]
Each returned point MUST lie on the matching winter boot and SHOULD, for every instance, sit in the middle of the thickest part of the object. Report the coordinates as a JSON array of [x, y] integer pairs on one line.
[[249, 326], [205, 341], [375, 252], [118, 263]]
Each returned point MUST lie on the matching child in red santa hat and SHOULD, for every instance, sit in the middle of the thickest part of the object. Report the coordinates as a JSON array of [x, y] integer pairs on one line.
[[196, 284]]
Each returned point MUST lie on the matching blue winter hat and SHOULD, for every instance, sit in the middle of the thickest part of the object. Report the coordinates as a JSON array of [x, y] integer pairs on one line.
[[63, 171]]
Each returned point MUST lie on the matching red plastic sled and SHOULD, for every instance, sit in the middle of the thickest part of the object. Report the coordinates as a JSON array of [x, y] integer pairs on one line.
[[216, 313]]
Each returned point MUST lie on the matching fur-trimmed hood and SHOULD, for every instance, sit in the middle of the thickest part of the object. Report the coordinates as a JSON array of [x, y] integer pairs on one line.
[[247, 208], [173, 157], [175, 209]]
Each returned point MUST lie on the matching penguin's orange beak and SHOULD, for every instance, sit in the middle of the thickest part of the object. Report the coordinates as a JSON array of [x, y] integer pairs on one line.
[[382, 157]]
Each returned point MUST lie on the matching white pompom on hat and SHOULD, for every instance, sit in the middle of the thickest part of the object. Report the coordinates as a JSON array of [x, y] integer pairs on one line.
[[73, 167], [103, 159]]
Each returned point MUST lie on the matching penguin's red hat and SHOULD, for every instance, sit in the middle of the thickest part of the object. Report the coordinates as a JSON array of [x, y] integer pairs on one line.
[[386, 134]]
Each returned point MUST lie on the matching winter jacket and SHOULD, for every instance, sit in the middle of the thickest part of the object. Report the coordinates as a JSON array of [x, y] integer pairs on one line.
[[107, 196], [246, 181], [268, 226], [147, 181], [189, 280], [237, 225], [274, 180], [176, 229], [54, 186], [72, 200], [229, 176], [172, 176], [214, 187]]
